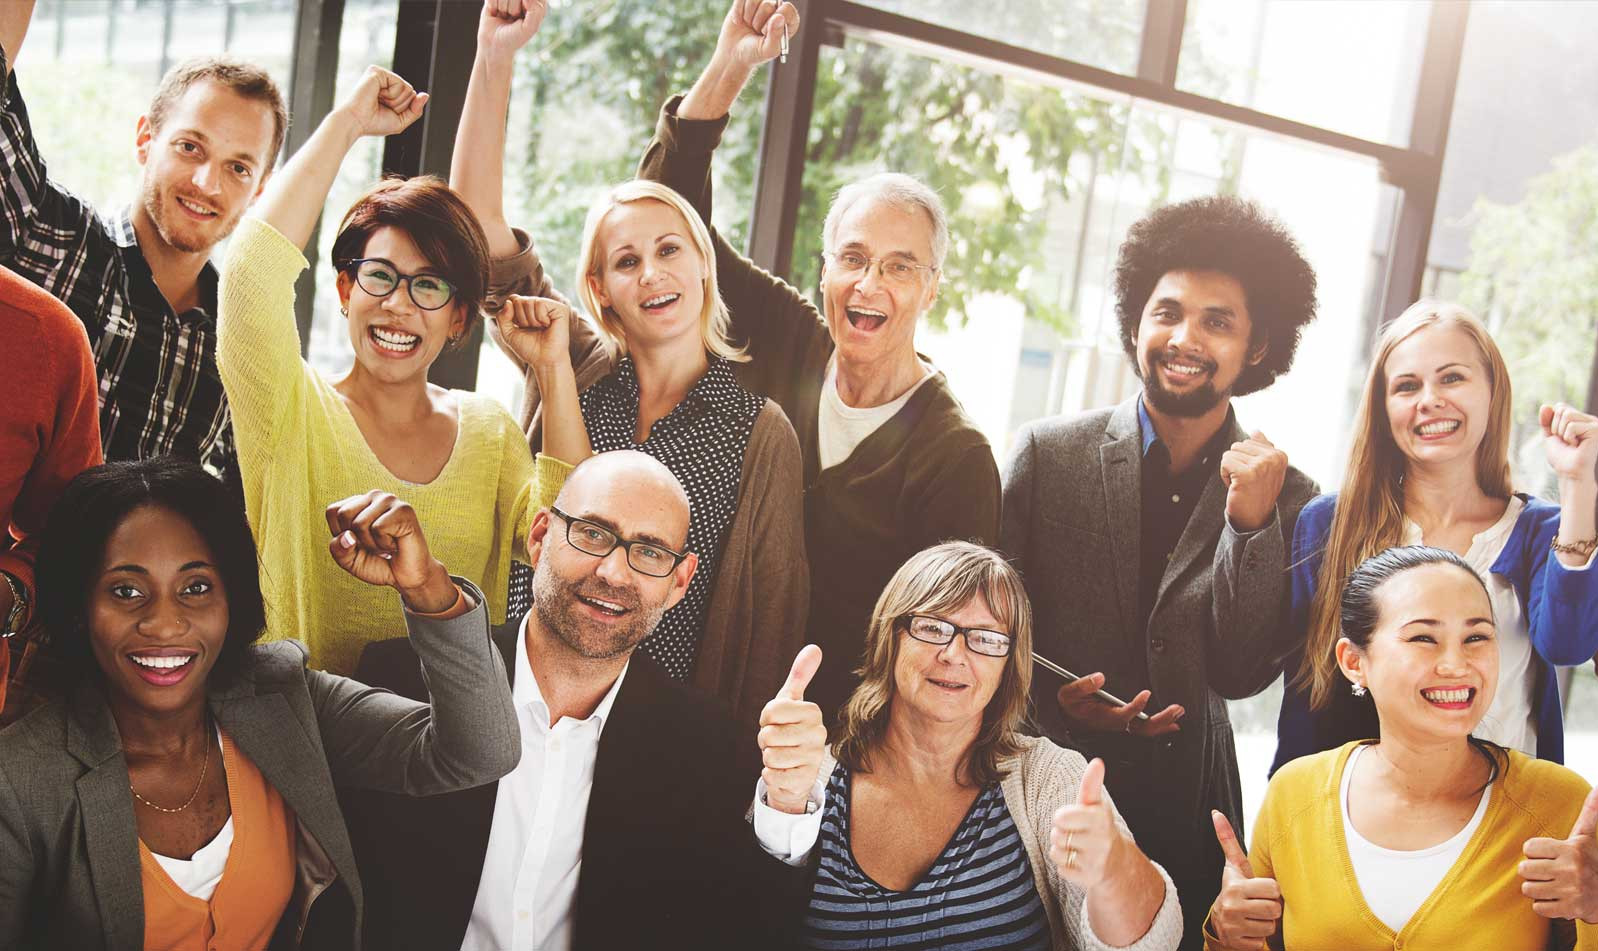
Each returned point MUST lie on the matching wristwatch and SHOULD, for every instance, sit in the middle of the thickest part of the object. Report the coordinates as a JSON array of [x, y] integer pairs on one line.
[[19, 605], [810, 804]]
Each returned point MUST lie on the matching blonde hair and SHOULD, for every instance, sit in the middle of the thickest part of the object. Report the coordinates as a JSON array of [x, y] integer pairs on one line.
[[714, 322], [1369, 517], [939, 580]]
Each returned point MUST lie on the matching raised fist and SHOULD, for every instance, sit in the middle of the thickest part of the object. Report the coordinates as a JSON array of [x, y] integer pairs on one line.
[[752, 33], [382, 103], [1253, 471], [535, 329], [506, 26], [1570, 438], [378, 539]]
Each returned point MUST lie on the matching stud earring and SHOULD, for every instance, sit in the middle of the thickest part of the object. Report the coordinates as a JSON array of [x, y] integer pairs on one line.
[[1357, 690], [345, 310]]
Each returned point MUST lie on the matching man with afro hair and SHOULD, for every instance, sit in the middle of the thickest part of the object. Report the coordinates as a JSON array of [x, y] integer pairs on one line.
[[1154, 535]]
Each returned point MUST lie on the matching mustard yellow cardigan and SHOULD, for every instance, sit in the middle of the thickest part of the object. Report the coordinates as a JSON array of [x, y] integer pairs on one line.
[[300, 449], [1298, 840]]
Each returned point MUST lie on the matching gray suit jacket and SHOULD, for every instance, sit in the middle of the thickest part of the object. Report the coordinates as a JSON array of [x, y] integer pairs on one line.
[[69, 859], [1071, 523]]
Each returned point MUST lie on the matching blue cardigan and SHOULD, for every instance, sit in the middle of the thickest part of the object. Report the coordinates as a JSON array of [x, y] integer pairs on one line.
[[1560, 605]]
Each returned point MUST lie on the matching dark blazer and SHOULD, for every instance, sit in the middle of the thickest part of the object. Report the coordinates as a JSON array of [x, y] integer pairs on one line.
[[1071, 522], [69, 847], [668, 858]]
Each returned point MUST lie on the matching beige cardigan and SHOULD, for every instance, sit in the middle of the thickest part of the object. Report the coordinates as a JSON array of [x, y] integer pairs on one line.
[[760, 598], [1037, 782]]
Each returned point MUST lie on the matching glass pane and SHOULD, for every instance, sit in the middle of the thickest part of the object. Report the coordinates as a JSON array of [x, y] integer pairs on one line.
[[1041, 185], [583, 106], [367, 37], [88, 69], [1515, 238], [1102, 33], [1348, 67]]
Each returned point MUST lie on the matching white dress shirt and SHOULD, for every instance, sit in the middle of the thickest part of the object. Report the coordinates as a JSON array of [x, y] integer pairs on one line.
[[535, 847]]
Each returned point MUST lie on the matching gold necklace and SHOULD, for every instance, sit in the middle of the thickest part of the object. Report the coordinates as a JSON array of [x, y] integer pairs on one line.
[[204, 763]]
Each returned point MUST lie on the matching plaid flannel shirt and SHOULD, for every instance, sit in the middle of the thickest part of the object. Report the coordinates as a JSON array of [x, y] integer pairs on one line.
[[159, 389]]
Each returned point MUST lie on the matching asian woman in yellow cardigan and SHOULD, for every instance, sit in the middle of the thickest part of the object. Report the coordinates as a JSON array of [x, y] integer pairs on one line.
[[1425, 837]]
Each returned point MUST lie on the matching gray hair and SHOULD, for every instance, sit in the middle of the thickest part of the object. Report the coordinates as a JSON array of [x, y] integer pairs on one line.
[[902, 191]]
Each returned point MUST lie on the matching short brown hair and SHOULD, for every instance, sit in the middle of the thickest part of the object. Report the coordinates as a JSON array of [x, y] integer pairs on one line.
[[246, 79], [436, 220], [937, 580]]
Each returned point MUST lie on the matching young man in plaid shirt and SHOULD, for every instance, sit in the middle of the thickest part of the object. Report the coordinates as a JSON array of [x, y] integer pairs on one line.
[[141, 280]]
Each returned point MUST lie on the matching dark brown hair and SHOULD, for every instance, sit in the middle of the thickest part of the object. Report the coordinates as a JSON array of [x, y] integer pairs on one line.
[[436, 220], [246, 79]]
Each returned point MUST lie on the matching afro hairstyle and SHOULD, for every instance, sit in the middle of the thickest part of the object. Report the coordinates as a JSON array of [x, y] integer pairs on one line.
[[1235, 237]]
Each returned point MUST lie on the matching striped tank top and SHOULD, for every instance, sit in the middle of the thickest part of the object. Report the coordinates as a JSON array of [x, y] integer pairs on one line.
[[979, 892]]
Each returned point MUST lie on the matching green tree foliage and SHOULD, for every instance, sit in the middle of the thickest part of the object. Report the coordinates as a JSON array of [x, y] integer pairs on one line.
[[1533, 276]]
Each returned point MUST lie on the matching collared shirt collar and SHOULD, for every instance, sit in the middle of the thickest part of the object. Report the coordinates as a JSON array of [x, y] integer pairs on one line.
[[123, 235], [717, 389], [525, 692], [1145, 426]]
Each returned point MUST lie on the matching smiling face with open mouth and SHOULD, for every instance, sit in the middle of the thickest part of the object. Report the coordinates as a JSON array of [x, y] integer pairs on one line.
[[1194, 341], [158, 614], [652, 276], [948, 683], [204, 165], [1438, 396], [395, 340], [873, 318], [1432, 662]]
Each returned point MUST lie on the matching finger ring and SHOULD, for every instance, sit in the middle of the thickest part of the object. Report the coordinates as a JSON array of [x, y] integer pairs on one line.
[[1070, 852]]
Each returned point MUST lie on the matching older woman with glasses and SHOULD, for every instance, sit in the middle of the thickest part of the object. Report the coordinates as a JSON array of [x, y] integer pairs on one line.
[[942, 824], [412, 266]]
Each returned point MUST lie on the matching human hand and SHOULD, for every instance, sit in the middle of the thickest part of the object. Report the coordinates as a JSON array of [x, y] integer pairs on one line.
[[378, 539], [536, 329], [1080, 704], [1561, 875], [792, 738], [1253, 470], [382, 103], [1085, 844], [506, 26], [752, 33], [1570, 437], [1248, 910]]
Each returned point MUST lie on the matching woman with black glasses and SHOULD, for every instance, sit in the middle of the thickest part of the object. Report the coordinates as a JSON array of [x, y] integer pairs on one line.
[[412, 266], [942, 825]]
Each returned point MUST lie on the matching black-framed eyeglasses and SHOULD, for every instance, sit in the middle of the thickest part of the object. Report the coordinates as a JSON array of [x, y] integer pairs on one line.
[[379, 277], [935, 630], [591, 538]]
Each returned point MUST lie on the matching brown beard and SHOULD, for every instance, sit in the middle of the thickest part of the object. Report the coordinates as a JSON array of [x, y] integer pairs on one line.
[[555, 600], [152, 198]]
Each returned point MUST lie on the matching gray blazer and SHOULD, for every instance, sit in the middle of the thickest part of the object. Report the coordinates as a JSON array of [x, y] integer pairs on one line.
[[69, 859], [1071, 514]]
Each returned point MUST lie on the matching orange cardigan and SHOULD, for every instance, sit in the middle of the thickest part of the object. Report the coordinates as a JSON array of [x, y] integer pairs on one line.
[[256, 882]]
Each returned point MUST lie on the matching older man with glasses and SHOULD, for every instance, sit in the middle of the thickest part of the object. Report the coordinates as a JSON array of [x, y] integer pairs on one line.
[[892, 462]]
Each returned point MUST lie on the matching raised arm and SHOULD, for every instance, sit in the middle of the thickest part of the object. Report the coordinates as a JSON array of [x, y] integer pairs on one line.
[[466, 735], [477, 171], [383, 104], [15, 15]]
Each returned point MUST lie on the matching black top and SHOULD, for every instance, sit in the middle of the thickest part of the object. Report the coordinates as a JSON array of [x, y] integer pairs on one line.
[[702, 442]]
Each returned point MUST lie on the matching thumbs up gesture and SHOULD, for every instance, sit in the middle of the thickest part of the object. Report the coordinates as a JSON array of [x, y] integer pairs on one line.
[[1253, 471], [1248, 909], [1560, 876], [1086, 845], [792, 738]]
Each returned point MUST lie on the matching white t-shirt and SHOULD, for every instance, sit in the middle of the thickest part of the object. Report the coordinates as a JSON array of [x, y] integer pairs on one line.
[[1510, 720], [1395, 883], [841, 427], [199, 874]]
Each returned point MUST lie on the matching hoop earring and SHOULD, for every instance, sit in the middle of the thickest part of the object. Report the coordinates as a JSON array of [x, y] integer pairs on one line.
[[1357, 690]]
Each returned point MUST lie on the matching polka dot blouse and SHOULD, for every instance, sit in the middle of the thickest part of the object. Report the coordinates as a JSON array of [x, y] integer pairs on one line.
[[702, 441]]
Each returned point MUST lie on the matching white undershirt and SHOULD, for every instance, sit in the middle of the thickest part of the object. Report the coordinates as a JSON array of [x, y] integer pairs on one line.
[[1396, 883], [199, 874], [1510, 720], [528, 888], [841, 427]]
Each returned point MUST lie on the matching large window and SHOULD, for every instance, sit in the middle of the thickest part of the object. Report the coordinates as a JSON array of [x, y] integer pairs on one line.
[[89, 68]]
